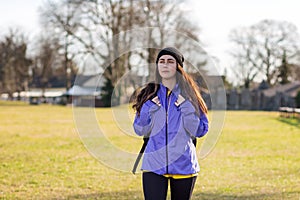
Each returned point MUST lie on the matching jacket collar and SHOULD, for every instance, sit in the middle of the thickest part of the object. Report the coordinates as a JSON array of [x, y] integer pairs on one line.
[[175, 91]]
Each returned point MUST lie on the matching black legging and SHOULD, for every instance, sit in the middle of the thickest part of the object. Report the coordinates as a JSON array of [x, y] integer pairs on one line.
[[156, 187]]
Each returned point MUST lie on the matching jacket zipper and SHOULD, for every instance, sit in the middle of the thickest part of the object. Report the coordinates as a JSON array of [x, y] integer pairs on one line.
[[167, 111]]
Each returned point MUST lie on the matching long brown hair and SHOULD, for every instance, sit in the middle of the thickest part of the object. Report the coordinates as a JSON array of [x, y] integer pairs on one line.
[[189, 90], [146, 93]]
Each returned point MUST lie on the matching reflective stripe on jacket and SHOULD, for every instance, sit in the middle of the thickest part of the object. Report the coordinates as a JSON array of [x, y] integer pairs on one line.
[[171, 125]]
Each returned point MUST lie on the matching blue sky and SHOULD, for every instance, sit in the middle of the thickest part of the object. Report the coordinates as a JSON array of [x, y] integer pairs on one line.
[[215, 18]]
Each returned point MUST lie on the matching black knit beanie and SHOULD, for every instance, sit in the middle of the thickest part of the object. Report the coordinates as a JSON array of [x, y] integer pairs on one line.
[[173, 52]]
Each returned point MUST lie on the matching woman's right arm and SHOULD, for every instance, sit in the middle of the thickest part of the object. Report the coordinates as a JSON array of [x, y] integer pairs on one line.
[[143, 123]]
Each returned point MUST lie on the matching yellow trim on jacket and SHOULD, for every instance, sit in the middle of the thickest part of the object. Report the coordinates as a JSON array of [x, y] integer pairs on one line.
[[179, 176]]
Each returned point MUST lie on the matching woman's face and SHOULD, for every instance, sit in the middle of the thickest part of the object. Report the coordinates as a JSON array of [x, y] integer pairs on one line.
[[167, 67]]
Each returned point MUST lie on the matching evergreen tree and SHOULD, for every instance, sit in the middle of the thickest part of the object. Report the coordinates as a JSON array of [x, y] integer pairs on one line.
[[106, 93], [298, 100], [283, 70]]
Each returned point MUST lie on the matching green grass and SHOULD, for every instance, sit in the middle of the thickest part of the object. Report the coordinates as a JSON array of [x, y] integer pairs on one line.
[[42, 157]]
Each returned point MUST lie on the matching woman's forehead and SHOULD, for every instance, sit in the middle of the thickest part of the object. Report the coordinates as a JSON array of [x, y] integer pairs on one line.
[[166, 57]]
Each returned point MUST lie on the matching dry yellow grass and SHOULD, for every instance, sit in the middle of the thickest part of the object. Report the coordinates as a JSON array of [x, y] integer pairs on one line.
[[42, 157]]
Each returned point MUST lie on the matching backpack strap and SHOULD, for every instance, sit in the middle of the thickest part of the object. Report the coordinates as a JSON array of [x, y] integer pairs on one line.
[[146, 139], [195, 141], [142, 150]]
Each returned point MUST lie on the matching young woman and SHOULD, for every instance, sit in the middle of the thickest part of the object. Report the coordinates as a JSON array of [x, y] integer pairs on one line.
[[171, 113]]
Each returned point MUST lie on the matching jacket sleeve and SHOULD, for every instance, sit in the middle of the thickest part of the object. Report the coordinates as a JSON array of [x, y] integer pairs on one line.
[[143, 123], [196, 126]]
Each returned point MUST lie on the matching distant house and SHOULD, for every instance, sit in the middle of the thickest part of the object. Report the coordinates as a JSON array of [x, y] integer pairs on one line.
[[263, 97], [213, 92], [280, 96], [86, 91], [50, 95]]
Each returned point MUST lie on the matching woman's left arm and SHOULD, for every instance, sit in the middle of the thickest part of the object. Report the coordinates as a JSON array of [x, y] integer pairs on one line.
[[196, 126]]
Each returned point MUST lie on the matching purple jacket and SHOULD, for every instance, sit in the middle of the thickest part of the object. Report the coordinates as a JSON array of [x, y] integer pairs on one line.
[[171, 127]]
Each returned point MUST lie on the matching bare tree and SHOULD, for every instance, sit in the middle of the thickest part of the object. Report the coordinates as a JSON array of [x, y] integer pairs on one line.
[[260, 48], [64, 18], [173, 28], [101, 29], [14, 63], [45, 62]]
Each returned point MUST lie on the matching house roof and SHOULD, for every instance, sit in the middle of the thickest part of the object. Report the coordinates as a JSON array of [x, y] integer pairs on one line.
[[290, 89], [82, 91], [87, 85], [93, 81], [38, 92]]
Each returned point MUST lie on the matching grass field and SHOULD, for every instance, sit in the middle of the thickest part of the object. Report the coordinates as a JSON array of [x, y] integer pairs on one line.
[[42, 157]]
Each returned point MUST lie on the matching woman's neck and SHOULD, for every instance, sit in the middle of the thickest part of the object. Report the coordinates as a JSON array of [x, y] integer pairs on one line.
[[169, 83]]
